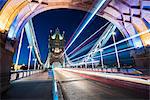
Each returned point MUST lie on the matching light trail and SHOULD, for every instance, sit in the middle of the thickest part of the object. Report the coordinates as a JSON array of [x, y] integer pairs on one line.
[[124, 40], [103, 39], [79, 57], [87, 20], [111, 76], [83, 49], [88, 39], [119, 51], [76, 30], [106, 32], [107, 54]]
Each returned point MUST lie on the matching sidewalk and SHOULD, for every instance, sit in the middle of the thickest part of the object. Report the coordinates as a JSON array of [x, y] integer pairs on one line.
[[35, 87]]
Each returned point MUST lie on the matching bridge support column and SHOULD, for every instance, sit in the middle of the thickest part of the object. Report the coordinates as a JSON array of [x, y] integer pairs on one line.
[[6, 55]]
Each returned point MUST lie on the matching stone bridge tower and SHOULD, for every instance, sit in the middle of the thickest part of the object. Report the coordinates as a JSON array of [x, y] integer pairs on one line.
[[56, 47]]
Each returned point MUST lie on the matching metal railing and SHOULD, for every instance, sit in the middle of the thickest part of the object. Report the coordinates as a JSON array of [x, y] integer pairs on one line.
[[130, 71], [15, 75]]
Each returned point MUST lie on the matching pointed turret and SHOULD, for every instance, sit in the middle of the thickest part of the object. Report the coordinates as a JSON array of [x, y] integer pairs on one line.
[[56, 46]]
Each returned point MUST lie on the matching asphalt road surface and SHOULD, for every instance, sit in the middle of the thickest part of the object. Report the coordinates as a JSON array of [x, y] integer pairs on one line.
[[75, 87], [35, 87]]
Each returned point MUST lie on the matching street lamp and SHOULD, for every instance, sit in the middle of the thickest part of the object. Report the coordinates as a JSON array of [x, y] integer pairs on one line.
[[85, 61], [91, 59], [117, 57], [102, 62], [101, 53], [92, 63], [29, 59], [35, 63], [38, 66]]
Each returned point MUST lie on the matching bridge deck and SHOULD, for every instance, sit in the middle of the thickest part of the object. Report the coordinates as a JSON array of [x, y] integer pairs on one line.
[[77, 86], [35, 87]]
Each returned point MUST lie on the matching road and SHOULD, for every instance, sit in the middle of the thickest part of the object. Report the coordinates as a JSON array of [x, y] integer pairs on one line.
[[75, 87], [35, 87]]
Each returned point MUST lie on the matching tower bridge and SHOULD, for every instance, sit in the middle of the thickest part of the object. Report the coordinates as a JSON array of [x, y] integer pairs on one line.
[[100, 73], [56, 47]]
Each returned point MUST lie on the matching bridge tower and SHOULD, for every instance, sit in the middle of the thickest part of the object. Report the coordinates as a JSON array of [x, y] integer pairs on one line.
[[56, 47]]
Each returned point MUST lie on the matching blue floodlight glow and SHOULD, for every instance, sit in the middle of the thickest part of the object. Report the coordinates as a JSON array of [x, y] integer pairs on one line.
[[87, 20]]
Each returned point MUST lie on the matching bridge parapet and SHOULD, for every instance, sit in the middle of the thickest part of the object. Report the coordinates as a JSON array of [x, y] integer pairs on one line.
[[22, 74]]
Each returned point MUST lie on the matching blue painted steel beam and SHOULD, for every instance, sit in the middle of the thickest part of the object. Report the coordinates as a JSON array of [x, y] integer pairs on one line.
[[32, 40]]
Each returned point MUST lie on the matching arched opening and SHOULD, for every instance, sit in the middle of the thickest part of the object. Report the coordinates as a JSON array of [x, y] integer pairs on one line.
[[69, 27], [20, 24]]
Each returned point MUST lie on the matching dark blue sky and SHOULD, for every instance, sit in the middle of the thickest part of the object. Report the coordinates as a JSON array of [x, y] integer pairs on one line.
[[66, 20]]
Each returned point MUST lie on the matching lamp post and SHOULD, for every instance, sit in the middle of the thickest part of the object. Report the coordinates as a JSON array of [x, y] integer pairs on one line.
[[29, 59], [101, 53], [116, 52], [102, 62], [92, 63], [35, 60], [38, 66], [85, 63]]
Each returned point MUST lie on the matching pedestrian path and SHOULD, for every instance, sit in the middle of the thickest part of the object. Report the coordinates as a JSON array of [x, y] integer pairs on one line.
[[35, 87]]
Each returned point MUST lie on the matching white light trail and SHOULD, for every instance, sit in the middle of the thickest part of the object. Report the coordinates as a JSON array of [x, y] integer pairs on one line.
[[112, 76], [124, 40], [119, 51], [87, 20], [88, 39], [88, 46], [108, 30], [107, 54], [103, 39]]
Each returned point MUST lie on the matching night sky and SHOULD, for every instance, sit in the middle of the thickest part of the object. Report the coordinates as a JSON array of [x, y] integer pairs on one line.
[[66, 20]]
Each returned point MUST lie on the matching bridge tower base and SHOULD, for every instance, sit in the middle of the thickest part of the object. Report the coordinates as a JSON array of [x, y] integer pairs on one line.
[[6, 58]]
